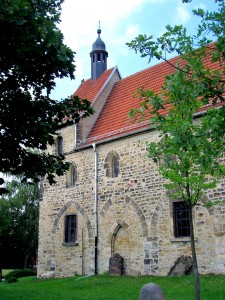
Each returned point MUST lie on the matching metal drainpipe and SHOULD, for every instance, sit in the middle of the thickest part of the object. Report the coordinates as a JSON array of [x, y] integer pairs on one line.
[[96, 208]]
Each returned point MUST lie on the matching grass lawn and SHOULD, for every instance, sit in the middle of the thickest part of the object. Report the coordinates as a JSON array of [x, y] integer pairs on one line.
[[110, 288]]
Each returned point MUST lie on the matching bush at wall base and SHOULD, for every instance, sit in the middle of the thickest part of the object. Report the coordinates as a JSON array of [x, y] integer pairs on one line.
[[12, 276]]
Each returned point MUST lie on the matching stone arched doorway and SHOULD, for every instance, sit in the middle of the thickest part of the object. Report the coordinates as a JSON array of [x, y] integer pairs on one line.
[[121, 244]]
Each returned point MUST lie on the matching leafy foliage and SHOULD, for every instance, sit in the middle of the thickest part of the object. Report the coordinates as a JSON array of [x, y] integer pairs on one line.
[[192, 148], [32, 56], [13, 275], [19, 224], [11, 279], [197, 145]]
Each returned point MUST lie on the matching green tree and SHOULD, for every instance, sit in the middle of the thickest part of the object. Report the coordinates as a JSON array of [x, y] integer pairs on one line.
[[192, 136], [32, 56], [19, 211]]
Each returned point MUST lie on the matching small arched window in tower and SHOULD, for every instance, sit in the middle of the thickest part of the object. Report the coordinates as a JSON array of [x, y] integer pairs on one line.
[[93, 58], [99, 57], [71, 176], [104, 58], [59, 145], [112, 164]]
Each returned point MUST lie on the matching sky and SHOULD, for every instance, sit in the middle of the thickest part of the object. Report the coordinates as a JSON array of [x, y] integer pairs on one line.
[[120, 22]]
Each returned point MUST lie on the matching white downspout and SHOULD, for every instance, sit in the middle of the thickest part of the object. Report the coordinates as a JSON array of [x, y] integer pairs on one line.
[[96, 207]]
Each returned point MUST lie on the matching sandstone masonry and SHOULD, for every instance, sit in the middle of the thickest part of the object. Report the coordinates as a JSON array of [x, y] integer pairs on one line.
[[135, 217]]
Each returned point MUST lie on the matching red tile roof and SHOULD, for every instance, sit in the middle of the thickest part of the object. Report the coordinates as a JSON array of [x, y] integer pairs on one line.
[[114, 115], [113, 120], [89, 89]]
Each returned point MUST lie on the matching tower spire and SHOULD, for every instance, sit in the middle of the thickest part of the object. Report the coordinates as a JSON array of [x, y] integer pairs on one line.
[[99, 29], [98, 56]]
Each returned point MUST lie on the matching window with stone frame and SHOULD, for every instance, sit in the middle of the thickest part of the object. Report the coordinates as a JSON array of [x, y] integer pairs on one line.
[[112, 164], [115, 166], [78, 134], [70, 229], [181, 219], [59, 145], [71, 176]]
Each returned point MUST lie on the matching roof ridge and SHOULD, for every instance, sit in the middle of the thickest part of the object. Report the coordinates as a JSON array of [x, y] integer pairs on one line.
[[166, 61], [93, 80], [153, 66]]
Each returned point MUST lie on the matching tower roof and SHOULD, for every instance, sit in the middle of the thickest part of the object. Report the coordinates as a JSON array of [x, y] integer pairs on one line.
[[98, 44]]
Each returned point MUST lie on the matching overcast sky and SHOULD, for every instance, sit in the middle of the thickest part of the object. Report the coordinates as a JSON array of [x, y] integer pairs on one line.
[[121, 21]]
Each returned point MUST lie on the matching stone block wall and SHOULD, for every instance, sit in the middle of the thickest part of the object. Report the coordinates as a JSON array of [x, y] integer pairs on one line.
[[134, 216]]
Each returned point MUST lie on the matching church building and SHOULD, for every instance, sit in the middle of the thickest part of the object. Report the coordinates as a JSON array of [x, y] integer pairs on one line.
[[112, 199]]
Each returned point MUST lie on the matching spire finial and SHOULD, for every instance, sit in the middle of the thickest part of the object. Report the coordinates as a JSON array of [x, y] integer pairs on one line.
[[99, 29]]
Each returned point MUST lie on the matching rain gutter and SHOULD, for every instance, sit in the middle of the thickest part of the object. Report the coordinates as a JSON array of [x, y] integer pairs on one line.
[[96, 208]]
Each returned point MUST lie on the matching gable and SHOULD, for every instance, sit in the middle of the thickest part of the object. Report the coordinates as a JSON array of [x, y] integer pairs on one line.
[[89, 89], [97, 92]]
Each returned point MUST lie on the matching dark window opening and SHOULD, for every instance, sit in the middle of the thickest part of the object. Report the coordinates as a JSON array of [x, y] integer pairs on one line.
[[103, 57], [93, 58], [99, 57], [112, 165], [115, 167], [59, 145], [70, 229], [78, 134], [181, 219], [71, 176]]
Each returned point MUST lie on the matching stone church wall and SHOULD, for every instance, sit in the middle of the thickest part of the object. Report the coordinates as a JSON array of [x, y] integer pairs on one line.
[[135, 217]]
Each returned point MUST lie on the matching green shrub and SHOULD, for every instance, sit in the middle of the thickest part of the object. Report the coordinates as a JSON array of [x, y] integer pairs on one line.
[[13, 275], [11, 279]]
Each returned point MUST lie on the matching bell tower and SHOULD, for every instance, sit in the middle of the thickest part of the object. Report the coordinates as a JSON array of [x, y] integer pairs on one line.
[[98, 57]]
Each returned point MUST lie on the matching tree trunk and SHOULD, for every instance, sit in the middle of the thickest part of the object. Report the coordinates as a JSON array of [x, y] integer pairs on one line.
[[25, 261], [194, 258]]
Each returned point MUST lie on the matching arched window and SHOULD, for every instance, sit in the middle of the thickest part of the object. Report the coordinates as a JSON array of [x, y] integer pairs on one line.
[[115, 166], [78, 134], [71, 176], [112, 164], [59, 145]]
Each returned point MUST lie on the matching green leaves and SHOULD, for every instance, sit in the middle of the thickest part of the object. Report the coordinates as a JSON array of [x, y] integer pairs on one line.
[[191, 143], [32, 56], [19, 224]]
